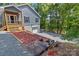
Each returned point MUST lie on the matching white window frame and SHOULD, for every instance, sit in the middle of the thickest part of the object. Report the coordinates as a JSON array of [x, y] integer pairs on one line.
[[36, 20], [28, 19]]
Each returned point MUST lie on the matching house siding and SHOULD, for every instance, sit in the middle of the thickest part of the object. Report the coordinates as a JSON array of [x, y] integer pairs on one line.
[[26, 11], [1, 15], [0, 18]]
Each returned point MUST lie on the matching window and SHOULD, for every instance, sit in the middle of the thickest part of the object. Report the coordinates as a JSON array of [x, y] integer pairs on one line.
[[36, 19], [26, 19]]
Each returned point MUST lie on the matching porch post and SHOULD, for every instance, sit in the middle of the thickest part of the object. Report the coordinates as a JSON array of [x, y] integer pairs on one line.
[[6, 21], [22, 21]]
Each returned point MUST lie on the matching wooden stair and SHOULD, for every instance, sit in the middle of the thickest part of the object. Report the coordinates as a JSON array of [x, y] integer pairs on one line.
[[14, 27]]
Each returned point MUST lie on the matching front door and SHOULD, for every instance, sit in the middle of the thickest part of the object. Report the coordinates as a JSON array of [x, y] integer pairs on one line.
[[12, 19]]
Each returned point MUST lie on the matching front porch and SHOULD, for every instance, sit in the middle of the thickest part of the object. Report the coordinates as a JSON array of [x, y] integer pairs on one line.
[[12, 19]]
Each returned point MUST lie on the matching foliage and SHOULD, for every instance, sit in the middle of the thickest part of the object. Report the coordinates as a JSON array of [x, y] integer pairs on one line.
[[64, 19]]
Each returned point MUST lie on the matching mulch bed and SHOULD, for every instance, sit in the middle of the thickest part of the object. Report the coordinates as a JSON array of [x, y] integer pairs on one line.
[[27, 37], [63, 49]]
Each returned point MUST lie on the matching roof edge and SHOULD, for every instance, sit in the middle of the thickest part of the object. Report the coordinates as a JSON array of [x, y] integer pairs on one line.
[[10, 6]]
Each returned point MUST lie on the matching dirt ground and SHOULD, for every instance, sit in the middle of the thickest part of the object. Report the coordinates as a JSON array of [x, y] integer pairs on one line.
[[63, 49]]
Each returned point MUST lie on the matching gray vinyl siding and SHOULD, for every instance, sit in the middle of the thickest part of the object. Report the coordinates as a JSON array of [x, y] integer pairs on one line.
[[1, 15], [0, 18], [26, 11], [28, 28]]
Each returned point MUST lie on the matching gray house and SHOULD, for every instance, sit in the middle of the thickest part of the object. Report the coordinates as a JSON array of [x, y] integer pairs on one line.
[[14, 18], [30, 18]]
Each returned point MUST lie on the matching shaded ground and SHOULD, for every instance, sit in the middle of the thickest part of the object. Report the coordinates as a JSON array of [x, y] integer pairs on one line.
[[51, 35], [36, 48], [9, 46], [63, 49], [54, 36]]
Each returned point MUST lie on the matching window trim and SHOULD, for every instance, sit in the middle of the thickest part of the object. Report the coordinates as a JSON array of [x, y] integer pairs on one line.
[[36, 19], [26, 19]]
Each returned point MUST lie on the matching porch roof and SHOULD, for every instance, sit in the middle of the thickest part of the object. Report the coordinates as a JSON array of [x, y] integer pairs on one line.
[[10, 6]]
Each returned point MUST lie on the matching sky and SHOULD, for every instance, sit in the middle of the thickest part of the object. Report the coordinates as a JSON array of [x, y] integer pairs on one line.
[[39, 1]]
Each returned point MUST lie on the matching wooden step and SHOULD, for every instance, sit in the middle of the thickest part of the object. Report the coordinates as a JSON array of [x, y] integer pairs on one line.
[[15, 29]]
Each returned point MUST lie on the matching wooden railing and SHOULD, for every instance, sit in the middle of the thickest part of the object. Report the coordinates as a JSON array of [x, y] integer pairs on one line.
[[14, 26], [17, 22]]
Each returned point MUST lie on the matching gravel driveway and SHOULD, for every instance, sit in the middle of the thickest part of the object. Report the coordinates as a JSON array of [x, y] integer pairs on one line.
[[10, 46]]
